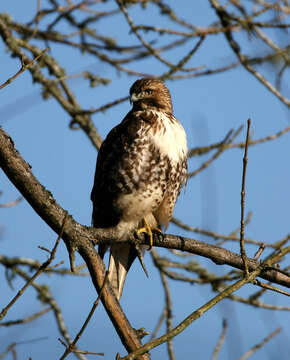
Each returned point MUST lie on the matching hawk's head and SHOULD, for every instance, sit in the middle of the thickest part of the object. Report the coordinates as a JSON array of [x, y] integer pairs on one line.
[[150, 93]]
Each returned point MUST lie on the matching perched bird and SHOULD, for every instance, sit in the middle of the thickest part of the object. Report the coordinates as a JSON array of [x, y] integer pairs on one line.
[[141, 168]]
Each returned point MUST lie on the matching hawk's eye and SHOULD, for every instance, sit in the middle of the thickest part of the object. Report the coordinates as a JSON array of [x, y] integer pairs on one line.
[[148, 91]]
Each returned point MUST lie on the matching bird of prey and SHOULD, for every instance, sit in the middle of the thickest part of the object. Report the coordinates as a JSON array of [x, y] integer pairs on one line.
[[141, 168]]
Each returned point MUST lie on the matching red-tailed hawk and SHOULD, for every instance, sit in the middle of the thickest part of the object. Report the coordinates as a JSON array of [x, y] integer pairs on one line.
[[141, 167]]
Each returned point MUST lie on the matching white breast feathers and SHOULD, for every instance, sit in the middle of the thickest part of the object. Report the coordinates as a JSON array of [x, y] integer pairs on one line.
[[170, 137]]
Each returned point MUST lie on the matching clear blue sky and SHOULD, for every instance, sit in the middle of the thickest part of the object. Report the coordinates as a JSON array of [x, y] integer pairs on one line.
[[64, 160]]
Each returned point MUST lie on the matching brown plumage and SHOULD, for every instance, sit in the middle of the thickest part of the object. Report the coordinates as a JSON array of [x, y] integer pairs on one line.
[[141, 167]]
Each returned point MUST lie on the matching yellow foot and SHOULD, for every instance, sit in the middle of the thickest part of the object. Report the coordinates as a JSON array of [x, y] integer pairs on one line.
[[149, 231]]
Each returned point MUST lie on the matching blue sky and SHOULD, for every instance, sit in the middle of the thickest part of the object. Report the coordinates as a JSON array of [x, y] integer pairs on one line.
[[63, 160]]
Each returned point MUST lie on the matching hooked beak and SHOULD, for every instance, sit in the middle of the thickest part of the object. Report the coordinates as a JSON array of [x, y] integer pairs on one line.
[[133, 98]]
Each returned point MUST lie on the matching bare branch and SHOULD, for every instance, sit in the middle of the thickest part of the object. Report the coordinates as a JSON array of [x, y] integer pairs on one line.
[[46, 297], [11, 203], [220, 342], [269, 287], [38, 272], [22, 69], [168, 307], [243, 193], [26, 319], [71, 347], [261, 344]]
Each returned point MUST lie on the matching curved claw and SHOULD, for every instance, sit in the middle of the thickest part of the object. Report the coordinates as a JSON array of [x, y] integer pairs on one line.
[[146, 229]]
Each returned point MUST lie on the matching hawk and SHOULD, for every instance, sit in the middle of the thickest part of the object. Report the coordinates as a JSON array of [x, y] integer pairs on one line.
[[141, 168]]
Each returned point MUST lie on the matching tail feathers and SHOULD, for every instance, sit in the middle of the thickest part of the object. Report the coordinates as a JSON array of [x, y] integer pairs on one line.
[[121, 259]]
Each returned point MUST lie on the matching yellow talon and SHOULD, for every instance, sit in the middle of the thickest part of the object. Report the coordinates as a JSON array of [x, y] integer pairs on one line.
[[149, 231]]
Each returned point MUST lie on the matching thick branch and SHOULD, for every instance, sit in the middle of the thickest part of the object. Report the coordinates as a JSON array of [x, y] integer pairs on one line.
[[220, 256]]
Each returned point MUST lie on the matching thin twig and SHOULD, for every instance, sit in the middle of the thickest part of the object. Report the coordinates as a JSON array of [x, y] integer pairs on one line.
[[26, 319], [158, 325], [33, 264], [242, 230], [22, 69], [12, 346], [261, 344], [214, 157], [229, 138], [71, 347], [46, 297], [168, 305], [220, 342], [270, 287], [259, 251], [183, 61], [11, 203], [36, 21], [198, 151], [39, 271], [81, 352], [105, 107], [217, 236]]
